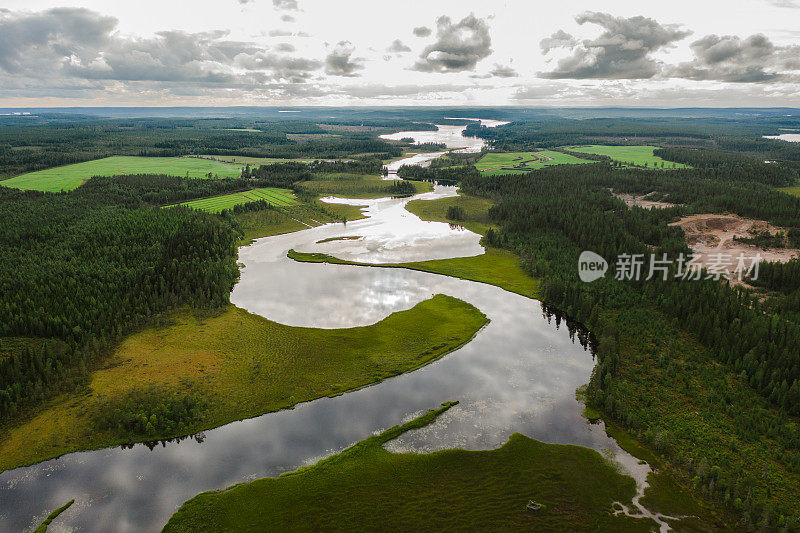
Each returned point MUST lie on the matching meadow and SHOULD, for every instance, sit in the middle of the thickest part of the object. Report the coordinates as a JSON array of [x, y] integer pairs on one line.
[[367, 488], [357, 185], [215, 204], [794, 191], [241, 365], [521, 162], [69, 177], [632, 155]]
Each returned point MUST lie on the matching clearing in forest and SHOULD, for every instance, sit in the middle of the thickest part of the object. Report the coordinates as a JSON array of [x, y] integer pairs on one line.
[[639, 156], [496, 163]]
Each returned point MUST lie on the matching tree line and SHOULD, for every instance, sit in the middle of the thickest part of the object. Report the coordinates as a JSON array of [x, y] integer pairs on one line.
[[88, 269]]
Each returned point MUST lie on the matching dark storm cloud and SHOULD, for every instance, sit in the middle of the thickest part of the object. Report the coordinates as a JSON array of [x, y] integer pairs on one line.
[[290, 5], [422, 31], [458, 46], [733, 59], [622, 51], [340, 61], [78, 43], [397, 47]]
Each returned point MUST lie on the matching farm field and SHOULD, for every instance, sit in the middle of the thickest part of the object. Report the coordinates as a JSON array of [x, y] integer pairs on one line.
[[69, 177], [632, 155], [493, 164], [216, 204]]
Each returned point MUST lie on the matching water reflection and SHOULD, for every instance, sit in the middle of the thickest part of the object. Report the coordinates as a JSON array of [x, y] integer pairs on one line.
[[519, 374]]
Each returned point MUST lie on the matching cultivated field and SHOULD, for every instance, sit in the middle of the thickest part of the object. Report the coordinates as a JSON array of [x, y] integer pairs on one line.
[[69, 177], [493, 164], [632, 155], [215, 204]]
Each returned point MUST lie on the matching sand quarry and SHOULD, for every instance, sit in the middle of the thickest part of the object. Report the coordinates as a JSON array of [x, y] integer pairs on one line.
[[710, 234], [632, 200]]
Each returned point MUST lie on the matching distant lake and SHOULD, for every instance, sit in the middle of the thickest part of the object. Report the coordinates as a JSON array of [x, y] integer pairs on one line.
[[788, 137]]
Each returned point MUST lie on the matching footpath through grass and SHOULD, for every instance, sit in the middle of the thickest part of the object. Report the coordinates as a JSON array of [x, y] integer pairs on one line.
[[69, 177], [367, 488], [495, 163], [241, 365], [640, 156]]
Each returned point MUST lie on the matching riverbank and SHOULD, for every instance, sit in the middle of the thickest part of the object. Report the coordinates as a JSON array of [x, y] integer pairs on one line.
[[366, 487], [241, 365]]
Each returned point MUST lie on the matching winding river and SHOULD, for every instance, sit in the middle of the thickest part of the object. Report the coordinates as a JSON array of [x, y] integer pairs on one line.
[[518, 374]]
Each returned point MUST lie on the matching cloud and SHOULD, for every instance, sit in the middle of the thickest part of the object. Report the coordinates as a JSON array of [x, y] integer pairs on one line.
[[287, 18], [458, 47], [339, 62], [289, 5], [422, 31], [733, 59], [503, 71], [82, 44], [791, 4], [397, 47], [559, 39], [622, 51]]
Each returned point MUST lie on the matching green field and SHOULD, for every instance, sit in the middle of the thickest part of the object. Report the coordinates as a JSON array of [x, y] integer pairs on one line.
[[69, 177], [242, 365], [632, 155], [795, 191], [215, 204], [252, 161], [367, 488], [356, 185], [493, 164]]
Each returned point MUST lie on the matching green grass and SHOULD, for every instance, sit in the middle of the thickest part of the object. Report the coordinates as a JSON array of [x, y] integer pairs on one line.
[[267, 222], [795, 191], [493, 163], [252, 161], [356, 185], [632, 155], [495, 267], [52, 516], [69, 177], [367, 488], [216, 204], [242, 365]]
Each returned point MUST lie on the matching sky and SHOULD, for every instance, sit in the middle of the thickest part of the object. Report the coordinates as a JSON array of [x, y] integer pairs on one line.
[[697, 53]]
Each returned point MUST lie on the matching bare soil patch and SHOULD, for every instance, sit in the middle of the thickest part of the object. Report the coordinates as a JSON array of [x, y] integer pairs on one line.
[[710, 235], [632, 200]]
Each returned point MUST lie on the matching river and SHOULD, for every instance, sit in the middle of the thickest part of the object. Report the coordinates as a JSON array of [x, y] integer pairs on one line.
[[518, 374]]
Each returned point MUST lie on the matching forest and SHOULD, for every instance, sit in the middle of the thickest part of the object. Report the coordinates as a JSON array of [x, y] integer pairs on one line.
[[92, 265], [36, 147], [551, 214]]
